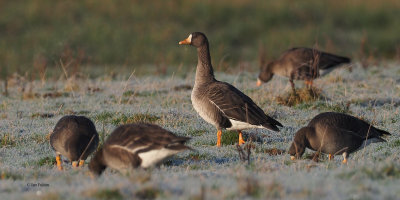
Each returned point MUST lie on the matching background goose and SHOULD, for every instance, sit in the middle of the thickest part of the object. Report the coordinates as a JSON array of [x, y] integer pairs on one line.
[[219, 103], [335, 133], [74, 137], [136, 145], [300, 64]]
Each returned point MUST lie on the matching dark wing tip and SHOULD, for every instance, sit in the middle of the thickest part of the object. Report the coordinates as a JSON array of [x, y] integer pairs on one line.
[[383, 132], [346, 60], [274, 123], [273, 127]]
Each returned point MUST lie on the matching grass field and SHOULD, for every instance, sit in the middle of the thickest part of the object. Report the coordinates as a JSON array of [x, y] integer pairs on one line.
[[30, 111], [110, 34]]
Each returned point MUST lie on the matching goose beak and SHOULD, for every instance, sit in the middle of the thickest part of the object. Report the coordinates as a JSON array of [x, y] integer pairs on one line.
[[188, 40], [259, 82], [292, 158]]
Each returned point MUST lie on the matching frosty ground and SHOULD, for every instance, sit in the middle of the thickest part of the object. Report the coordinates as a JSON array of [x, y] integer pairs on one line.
[[31, 110]]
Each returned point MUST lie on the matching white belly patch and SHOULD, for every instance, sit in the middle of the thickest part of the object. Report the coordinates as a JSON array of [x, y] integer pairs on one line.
[[238, 125], [153, 157]]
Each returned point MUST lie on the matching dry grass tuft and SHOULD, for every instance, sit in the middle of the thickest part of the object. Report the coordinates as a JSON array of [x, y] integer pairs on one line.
[[7, 140], [40, 65], [245, 151], [71, 85], [271, 151], [303, 95]]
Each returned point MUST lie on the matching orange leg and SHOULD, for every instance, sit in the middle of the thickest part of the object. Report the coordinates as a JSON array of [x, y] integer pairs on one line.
[[74, 164], [344, 158], [59, 162], [241, 141], [219, 134], [81, 163], [330, 157]]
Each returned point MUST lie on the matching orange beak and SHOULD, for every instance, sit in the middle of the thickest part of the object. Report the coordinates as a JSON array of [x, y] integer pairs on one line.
[[187, 40], [259, 82]]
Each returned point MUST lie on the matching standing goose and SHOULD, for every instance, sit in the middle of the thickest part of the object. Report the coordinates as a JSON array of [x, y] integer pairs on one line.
[[219, 103], [301, 64], [136, 145], [335, 134], [74, 137]]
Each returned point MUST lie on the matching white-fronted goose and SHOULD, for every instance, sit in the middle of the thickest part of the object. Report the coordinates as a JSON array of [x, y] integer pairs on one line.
[[335, 133], [219, 103], [74, 137], [136, 145], [301, 64]]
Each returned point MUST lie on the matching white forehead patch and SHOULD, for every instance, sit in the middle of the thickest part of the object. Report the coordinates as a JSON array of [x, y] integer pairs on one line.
[[190, 38]]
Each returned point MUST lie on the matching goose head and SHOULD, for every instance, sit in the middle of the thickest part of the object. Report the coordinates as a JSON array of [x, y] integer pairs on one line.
[[96, 165], [298, 146], [265, 74], [196, 39]]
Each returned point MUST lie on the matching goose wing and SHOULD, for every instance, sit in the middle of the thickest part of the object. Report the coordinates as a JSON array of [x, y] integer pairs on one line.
[[146, 136], [237, 106], [327, 60]]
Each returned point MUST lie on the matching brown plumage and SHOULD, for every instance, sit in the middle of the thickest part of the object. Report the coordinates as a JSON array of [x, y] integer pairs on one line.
[[301, 64], [220, 103], [136, 145], [74, 137], [335, 133]]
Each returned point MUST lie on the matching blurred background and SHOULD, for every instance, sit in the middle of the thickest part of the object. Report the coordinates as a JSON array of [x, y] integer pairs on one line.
[[143, 35]]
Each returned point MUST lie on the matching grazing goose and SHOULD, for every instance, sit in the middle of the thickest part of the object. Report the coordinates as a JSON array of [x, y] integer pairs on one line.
[[335, 134], [136, 145], [74, 137], [301, 64], [219, 103]]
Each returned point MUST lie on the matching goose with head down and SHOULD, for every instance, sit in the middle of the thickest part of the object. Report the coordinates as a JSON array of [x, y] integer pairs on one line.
[[334, 134], [220, 103], [136, 145], [300, 64], [74, 137]]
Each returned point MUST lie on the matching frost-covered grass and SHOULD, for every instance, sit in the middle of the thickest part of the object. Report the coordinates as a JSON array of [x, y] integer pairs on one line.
[[27, 117]]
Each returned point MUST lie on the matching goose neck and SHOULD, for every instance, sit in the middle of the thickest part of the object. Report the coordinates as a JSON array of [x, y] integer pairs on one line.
[[204, 71]]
